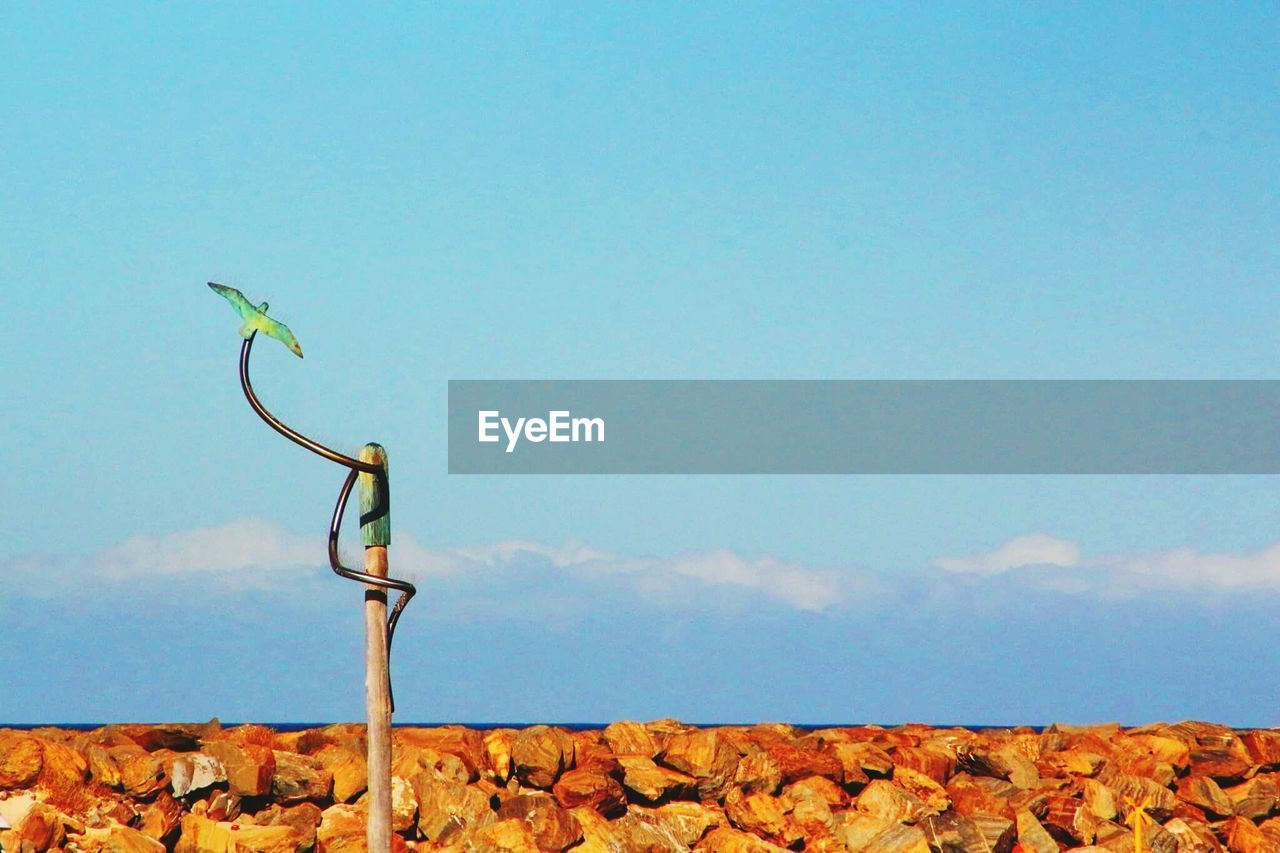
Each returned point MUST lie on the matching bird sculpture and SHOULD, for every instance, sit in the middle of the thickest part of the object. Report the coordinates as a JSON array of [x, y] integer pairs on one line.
[[256, 319]]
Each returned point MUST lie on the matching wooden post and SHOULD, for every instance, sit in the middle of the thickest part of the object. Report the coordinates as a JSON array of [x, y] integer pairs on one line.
[[375, 531]]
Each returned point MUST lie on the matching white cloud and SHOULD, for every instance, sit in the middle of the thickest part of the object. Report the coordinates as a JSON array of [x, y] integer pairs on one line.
[[1186, 567], [1180, 568], [254, 553], [1035, 550], [247, 544], [792, 583], [568, 555]]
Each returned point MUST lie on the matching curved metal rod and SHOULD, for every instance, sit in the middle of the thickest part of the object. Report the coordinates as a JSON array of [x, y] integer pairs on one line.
[[407, 590], [291, 434]]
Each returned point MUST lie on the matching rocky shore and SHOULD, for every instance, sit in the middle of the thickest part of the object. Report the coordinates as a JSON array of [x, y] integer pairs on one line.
[[658, 786]]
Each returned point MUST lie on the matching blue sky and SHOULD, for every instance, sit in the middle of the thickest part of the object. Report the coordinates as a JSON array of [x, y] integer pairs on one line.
[[436, 191]]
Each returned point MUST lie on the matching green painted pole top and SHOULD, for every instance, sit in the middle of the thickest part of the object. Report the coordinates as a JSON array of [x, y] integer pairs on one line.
[[375, 498]]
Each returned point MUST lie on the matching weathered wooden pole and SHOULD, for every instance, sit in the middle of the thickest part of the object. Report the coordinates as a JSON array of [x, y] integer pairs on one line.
[[375, 531]]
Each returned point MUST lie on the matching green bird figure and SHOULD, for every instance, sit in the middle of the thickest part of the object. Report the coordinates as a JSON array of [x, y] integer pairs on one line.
[[256, 319]]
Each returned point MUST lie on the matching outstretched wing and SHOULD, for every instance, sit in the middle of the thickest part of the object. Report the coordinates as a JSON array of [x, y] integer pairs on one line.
[[281, 333], [244, 307]]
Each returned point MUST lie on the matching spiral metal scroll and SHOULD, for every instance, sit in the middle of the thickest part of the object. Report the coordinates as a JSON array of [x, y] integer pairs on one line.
[[407, 590]]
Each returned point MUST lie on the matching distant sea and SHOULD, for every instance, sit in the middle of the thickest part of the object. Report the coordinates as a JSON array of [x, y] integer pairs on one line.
[[573, 727]]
